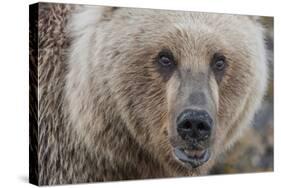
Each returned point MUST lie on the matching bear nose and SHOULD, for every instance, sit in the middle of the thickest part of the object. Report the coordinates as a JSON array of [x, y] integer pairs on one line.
[[194, 124]]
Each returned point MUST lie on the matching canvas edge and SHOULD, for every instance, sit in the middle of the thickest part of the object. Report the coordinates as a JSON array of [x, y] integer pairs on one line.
[[33, 93]]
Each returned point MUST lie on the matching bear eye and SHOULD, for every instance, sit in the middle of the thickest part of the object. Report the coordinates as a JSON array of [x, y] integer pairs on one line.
[[218, 63], [165, 59]]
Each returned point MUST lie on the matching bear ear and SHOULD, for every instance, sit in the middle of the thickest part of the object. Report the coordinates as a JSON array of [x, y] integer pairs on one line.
[[108, 12], [255, 18], [265, 22], [88, 16]]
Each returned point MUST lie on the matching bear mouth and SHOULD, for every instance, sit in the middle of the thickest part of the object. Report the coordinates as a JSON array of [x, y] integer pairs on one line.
[[193, 158]]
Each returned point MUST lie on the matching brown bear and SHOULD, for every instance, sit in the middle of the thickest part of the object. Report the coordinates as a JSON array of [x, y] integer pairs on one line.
[[127, 93]]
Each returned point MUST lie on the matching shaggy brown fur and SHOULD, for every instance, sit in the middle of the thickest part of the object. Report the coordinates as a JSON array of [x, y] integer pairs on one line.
[[106, 111]]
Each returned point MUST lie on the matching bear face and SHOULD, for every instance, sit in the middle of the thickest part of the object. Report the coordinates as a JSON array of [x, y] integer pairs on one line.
[[184, 84]]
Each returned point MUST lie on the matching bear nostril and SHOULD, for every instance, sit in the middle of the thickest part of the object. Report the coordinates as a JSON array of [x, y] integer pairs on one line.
[[203, 127], [204, 130], [187, 125]]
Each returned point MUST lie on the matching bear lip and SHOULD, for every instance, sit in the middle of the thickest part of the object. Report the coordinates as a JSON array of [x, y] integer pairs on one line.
[[193, 158]]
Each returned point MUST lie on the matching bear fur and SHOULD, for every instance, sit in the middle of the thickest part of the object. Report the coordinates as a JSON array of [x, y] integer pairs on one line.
[[104, 108]]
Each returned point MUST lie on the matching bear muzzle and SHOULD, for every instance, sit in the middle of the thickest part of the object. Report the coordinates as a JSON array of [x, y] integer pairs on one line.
[[194, 129]]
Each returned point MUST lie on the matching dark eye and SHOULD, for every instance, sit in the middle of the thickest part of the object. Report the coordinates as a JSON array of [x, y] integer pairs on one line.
[[218, 62], [165, 59], [219, 65]]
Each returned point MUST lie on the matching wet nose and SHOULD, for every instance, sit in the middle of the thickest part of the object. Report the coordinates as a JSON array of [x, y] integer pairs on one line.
[[194, 124]]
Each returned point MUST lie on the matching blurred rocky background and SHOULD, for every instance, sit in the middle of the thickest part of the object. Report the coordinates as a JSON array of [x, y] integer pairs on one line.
[[254, 152]]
